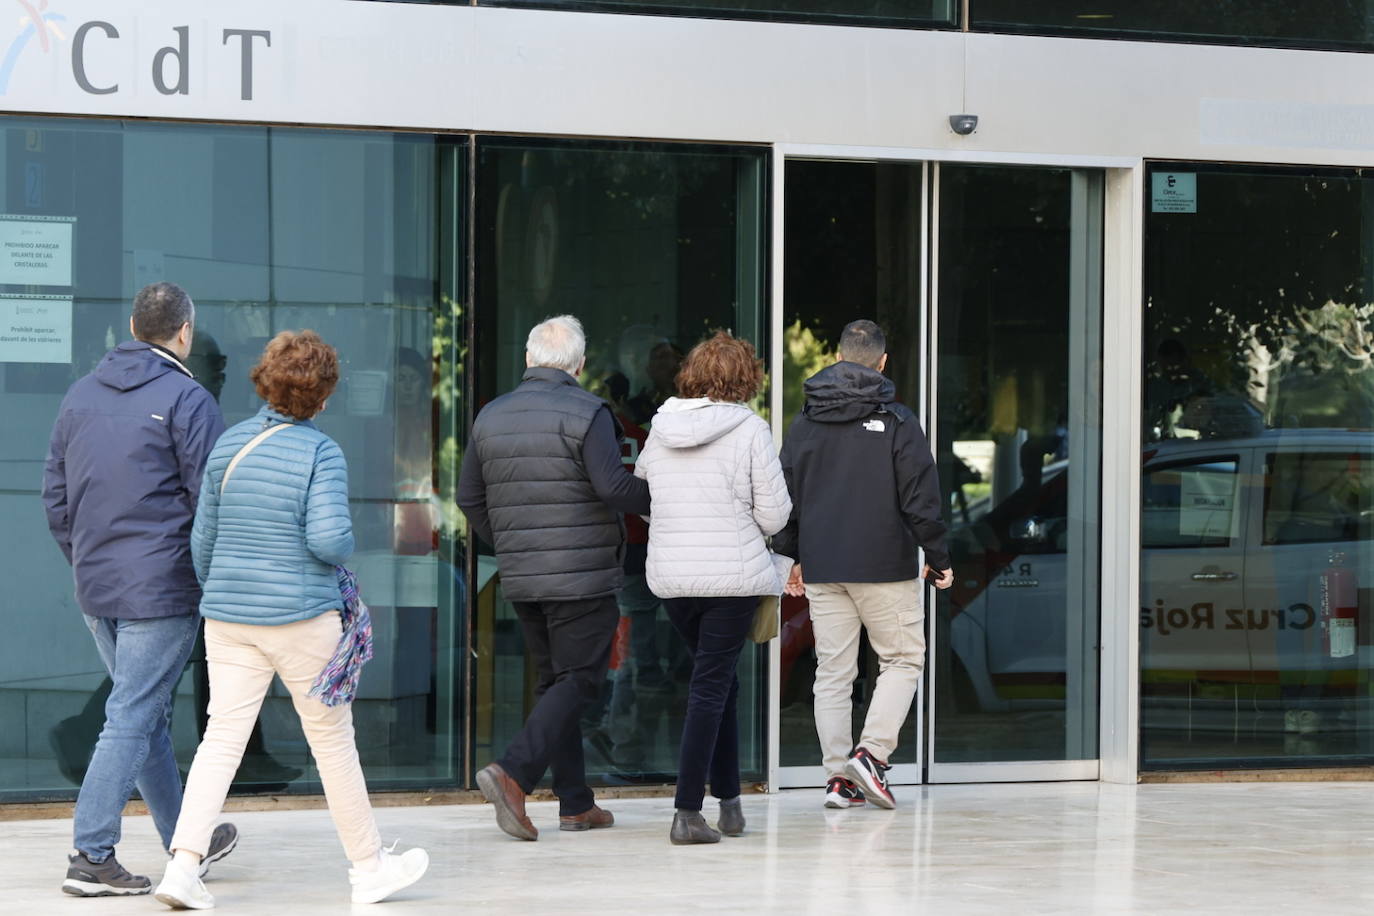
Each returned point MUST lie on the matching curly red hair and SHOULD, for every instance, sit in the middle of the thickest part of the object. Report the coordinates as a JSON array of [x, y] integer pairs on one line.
[[296, 374], [722, 368]]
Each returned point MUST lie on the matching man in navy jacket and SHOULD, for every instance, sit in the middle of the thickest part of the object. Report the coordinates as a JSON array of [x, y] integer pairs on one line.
[[120, 486]]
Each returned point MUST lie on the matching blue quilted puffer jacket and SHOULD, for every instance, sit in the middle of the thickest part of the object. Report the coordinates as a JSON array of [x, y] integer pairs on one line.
[[265, 548]]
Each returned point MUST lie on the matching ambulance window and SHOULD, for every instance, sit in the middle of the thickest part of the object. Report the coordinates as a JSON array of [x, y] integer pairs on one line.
[[1189, 505], [1312, 498]]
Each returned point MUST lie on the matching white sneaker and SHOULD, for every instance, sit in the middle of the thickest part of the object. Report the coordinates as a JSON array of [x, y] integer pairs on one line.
[[393, 873], [182, 889]]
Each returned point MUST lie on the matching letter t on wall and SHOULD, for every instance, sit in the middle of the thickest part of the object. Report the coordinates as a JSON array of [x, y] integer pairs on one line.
[[246, 37]]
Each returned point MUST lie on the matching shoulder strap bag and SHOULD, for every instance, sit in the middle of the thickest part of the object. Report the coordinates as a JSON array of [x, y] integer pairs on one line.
[[252, 443]]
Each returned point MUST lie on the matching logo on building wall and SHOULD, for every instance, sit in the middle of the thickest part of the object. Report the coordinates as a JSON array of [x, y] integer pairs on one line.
[[35, 22], [171, 65]]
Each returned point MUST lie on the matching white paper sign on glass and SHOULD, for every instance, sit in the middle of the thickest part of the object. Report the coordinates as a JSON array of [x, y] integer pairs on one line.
[[35, 329], [1206, 504], [36, 251]]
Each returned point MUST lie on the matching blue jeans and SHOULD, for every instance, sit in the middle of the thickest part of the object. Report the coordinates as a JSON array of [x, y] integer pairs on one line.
[[145, 659]]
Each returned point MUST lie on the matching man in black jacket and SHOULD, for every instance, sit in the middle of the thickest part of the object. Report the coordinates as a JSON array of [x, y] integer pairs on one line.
[[543, 482], [865, 495]]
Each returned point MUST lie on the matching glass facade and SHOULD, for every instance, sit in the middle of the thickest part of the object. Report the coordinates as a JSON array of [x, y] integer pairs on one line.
[[914, 13], [352, 234], [1342, 24], [652, 247], [1257, 494]]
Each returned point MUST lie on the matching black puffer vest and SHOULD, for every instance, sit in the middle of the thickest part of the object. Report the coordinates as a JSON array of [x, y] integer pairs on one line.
[[555, 540]]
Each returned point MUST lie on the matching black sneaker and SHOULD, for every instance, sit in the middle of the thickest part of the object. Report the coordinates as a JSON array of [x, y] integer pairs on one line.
[[104, 879], [870, 773], [841, 793], [222, 842]]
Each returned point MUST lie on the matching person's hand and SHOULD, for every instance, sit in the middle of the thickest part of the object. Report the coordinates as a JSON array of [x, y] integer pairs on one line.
[[945, 580], [795, 586]]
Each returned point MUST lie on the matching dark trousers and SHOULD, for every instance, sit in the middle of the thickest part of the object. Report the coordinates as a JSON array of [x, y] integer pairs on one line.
[[570, 642], [715, 629]]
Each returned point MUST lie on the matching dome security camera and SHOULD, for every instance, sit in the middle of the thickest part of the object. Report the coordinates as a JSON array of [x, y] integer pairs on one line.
[[963, 124]]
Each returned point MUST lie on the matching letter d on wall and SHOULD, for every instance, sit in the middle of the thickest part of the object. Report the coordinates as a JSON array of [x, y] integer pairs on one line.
[[181, 52]]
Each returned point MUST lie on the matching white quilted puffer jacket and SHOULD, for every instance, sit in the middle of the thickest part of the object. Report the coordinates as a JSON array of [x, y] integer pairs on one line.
[[717, 491]]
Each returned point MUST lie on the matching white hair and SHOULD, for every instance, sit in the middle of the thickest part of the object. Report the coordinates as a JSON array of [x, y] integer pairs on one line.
[[557, 343]]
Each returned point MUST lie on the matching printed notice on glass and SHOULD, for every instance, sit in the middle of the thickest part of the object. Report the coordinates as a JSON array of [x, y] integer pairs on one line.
[[35, 329], [36, 251], [1173, 192]]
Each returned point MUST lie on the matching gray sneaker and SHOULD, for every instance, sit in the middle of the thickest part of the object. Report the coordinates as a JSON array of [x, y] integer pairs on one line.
[[102, 879], [222, 842]]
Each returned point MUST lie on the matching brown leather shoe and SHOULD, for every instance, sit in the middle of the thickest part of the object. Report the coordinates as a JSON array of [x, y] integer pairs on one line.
[[508, 799], [593, 818]]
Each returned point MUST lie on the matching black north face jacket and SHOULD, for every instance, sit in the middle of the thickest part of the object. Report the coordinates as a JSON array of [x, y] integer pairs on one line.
[[864, 488]]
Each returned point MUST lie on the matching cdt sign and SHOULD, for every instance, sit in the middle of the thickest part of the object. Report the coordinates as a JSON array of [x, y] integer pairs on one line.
[[81, 55], [175, 57]]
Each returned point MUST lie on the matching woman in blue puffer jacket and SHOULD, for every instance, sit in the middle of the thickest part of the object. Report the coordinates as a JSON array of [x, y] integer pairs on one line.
[[272, 522]]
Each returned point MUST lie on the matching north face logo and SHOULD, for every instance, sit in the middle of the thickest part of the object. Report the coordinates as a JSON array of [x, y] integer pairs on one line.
[[874, 426]]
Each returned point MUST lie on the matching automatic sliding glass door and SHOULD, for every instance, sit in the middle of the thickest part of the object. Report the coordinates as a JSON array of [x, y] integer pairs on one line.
[[854, 242], [987, 280], [1017, 353]]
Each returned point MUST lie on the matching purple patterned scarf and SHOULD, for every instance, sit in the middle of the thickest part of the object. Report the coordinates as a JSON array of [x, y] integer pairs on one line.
[[338, 682]]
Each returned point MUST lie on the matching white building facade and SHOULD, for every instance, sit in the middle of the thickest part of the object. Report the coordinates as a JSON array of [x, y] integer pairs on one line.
[[1131, 306]]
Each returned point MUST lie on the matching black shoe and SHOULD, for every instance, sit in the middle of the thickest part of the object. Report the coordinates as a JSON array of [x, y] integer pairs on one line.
[[689, 828], [871, 775], [222, 842], [731, 821], [104, 879]]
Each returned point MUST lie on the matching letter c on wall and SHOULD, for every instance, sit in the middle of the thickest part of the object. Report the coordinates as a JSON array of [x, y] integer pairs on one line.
[[79, 56]]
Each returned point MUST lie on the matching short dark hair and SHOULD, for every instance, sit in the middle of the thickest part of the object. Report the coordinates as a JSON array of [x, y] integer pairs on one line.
[[863, 342], [297, 373], [160, 309]]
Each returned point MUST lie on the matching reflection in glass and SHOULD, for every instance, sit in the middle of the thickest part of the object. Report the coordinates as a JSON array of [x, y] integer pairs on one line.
[[1258, 488], [650, 246], [268, 229], [1017, 432], [1345, 24]]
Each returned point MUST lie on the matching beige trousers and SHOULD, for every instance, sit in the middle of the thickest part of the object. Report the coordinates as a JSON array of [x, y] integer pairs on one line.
[[893, 616], [242, 659]]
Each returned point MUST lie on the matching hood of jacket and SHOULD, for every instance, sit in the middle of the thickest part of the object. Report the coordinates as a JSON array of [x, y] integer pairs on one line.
[[135, 363], [845, 392], [689, 422]]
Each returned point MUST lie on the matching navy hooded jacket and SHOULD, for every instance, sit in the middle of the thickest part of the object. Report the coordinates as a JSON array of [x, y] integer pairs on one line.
[[121, 481]]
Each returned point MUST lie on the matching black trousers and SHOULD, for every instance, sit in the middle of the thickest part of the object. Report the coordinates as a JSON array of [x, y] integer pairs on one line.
[[570, 642], [715, 629]]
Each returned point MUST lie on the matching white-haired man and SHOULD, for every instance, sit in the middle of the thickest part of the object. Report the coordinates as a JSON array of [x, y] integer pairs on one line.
[[542, 482]]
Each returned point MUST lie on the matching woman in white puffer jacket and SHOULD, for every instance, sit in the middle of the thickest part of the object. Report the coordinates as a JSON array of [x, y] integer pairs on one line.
[[717, 492]]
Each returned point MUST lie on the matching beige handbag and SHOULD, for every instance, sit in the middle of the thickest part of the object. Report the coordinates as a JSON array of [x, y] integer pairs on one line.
[[767, 616]]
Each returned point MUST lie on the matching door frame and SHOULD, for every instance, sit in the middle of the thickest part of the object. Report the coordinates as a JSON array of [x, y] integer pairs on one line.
[[1118, 645]]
